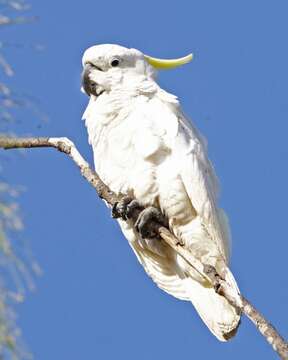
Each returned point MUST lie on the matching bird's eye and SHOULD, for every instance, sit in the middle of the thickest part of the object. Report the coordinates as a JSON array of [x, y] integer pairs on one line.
[[115, 62]]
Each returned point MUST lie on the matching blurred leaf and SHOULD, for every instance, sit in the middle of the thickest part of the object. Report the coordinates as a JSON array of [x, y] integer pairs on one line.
[[16, 263]]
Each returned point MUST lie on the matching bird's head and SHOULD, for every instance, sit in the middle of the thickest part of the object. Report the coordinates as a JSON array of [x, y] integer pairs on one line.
[[107, 66]]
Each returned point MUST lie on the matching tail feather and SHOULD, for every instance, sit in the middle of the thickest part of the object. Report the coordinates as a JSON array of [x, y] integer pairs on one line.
[[220, 317]]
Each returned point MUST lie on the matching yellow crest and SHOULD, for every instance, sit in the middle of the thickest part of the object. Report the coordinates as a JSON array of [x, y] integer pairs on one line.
[[165, 64]]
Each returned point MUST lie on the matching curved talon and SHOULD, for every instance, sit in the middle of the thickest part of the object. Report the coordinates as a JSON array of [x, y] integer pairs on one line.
[[119, 208], [131, 207], [125, 208], [144, 224]]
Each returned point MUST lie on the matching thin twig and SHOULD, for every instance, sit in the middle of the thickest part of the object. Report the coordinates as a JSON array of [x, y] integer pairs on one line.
[[209, 273]]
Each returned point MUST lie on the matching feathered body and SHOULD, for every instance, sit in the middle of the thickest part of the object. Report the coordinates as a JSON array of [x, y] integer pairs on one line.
[[145, 148]]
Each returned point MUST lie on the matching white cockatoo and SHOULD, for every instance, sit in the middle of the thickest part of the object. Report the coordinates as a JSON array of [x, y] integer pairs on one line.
[[145, 149]]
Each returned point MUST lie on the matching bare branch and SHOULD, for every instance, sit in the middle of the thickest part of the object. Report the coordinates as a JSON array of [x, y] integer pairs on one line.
[[266, 329], [66, 146], [207, 272]]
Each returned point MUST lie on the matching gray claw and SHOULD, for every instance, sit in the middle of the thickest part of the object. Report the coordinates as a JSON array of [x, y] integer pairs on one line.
[[131, 207], [119, 208], [144, 225], [124, 208]]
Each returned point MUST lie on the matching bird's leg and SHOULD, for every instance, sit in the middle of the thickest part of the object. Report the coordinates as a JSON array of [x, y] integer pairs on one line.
[[145, 224], [126, 208]]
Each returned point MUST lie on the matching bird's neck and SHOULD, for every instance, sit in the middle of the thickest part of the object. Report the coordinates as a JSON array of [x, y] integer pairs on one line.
[[125, 94]]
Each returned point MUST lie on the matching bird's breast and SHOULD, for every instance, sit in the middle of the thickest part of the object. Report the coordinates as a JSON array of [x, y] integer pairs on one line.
[[122, 166]]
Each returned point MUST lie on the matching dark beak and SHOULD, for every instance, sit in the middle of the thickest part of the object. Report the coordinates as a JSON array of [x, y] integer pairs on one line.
[[89, 86]]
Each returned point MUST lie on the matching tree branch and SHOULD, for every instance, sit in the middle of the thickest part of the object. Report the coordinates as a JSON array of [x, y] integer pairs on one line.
[[207, 272]]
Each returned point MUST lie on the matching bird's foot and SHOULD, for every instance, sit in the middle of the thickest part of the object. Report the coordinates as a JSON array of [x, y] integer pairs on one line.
[[128, 208], [145, 223], [125, 208]]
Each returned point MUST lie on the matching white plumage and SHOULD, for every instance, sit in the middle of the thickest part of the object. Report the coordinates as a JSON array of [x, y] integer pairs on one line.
[[145, 148]]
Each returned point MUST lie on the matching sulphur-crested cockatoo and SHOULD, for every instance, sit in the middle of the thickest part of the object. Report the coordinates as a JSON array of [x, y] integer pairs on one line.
[[146, 149]]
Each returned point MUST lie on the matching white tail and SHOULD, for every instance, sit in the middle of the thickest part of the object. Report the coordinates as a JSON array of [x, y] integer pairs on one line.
[[220, 317]]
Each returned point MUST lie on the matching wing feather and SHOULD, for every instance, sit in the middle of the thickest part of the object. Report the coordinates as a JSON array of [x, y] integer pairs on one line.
[[201, 184], [162, 268]]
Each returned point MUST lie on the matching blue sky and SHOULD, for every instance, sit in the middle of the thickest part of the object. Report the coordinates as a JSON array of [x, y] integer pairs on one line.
[[94, 300]]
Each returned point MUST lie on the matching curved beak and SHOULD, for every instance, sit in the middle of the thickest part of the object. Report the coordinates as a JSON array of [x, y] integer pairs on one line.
[[86, 82], [89, 86], [165, 64]]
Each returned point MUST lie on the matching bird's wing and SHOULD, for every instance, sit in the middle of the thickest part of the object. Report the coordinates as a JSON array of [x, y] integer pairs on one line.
[[160, 265], [188, 162], [170, 140], [201, 183]]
